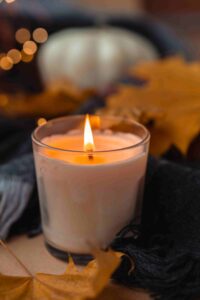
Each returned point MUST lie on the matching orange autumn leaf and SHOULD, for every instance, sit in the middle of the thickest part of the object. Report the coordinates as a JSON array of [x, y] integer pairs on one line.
[[52, 102], [72, 285], [168, 104]]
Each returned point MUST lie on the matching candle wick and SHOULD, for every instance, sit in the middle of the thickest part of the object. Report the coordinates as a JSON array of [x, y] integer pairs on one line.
[[90, 156]]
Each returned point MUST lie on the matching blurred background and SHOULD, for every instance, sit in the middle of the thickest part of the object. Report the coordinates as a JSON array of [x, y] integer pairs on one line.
[[26, 25], [57, 55]]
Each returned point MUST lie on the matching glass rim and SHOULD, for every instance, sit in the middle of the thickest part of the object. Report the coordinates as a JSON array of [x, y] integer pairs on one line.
[[135, 145]]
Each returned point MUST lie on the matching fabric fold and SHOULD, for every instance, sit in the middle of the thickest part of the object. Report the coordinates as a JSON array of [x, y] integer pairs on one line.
[[17, 181]]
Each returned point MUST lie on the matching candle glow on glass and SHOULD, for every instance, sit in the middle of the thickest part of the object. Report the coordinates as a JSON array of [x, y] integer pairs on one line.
[[41, 121], [96, 174]]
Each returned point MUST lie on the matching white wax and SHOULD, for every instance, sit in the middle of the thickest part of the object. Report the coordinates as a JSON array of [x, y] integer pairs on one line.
[[87, 203]]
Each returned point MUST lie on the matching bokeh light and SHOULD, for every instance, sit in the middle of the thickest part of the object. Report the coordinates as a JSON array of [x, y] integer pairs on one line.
[[10, 1], [30, 47], [3, 100], [22, 35], [6, 63], [2, 55], [40, 35], [41, 121], [25, 57], [15, 55]]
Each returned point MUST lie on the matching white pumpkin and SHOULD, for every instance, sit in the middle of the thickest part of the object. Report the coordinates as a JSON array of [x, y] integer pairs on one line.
[[92, 57]]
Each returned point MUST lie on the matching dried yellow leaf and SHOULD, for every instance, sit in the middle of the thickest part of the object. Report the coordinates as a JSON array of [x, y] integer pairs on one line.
[[168, 104], [72, 285]]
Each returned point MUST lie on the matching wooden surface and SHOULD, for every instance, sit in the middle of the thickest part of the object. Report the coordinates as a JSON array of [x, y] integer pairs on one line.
[[34, 255]]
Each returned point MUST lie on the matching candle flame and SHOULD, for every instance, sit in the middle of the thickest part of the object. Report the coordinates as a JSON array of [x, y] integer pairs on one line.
[[88, 136]]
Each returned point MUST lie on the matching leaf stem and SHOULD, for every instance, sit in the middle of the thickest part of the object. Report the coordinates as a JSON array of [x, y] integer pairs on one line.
[[16, 258]]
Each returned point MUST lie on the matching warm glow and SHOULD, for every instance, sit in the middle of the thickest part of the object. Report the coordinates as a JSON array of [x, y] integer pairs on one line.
[[15, 55], [10, 1], [22, 35], [30, 47], [88, 136], [41, 121], [6, 63], [3, 100], [40, 35], [95, 122], [26, 58], [2, 54]]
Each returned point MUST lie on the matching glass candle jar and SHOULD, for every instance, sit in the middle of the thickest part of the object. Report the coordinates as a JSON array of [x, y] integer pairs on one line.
[[86, 199]]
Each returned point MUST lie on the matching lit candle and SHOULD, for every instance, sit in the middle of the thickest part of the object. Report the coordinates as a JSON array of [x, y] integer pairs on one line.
[[90, 181]]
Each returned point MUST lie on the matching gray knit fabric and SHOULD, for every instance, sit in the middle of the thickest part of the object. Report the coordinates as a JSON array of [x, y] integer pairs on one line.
[[17, 180]]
